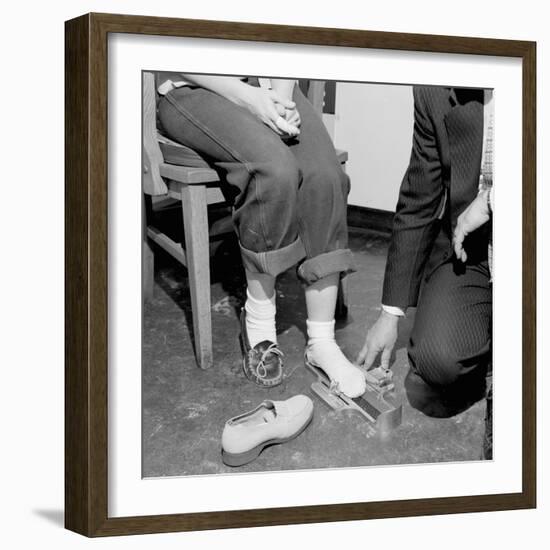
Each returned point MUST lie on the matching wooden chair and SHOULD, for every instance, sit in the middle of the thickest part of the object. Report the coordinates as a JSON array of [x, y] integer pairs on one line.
[[175, 171]]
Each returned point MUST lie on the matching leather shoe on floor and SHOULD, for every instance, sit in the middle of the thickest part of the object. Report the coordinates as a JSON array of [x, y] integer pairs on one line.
[[245, 436]]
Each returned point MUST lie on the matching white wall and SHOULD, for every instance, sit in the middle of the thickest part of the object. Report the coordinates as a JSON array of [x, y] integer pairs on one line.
[[31, 275], [374, 124]]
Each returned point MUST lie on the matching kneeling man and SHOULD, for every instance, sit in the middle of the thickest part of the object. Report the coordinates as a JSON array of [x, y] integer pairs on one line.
[[450, 167]]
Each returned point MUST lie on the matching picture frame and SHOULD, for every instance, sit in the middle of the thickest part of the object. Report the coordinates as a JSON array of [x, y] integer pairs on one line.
[[87, 282]]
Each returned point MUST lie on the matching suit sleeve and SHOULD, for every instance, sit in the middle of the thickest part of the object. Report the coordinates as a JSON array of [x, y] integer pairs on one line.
[[416, 221]]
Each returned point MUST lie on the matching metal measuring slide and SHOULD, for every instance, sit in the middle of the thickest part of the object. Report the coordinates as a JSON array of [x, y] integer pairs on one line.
[[377, 405]]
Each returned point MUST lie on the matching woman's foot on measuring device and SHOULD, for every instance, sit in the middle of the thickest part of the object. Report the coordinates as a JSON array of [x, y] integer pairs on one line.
[[328, 357]]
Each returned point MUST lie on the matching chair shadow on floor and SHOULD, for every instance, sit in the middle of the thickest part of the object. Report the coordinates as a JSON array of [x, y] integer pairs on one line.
[[227, 271]]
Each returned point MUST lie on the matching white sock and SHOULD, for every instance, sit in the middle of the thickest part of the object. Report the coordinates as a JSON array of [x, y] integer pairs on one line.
[[324, 352], [260, 319]]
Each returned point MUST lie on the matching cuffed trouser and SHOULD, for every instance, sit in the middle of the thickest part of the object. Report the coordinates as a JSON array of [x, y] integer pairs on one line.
[[450, 343], [289, 197]]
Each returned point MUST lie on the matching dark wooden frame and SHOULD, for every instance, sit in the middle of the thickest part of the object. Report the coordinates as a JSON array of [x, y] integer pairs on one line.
[[86, 274]]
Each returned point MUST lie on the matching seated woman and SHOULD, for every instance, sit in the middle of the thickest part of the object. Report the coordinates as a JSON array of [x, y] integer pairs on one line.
[[289, 195]]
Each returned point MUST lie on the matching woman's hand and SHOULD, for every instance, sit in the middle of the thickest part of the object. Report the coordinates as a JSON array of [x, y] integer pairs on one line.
[[285, 89], [292, 116], [288, 121], [270, 108]]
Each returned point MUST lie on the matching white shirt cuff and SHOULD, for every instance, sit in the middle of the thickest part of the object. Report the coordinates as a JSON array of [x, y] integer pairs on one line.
[[393, 310]]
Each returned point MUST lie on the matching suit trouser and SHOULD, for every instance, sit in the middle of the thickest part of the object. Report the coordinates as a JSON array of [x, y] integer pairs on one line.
[[289, 197], [450, 344]]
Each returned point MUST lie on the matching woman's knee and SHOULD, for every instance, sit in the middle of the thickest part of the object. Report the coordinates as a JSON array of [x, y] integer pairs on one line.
[[326, 180], [279, 178]]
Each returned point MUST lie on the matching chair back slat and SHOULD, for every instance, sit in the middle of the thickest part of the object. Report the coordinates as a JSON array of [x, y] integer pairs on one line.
[[153, 184], [316, 95]]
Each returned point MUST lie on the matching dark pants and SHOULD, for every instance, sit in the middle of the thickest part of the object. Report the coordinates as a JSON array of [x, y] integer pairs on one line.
[[450, 344], [289, 197]]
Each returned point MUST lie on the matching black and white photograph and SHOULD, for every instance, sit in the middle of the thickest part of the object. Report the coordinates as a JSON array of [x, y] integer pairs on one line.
[[257, 275], [316, 274]]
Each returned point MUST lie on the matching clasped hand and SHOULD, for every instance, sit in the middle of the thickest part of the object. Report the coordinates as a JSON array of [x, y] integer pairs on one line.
[[273, 110]]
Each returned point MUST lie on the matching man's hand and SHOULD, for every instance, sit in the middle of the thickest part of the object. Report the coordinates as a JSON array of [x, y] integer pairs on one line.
[[380, 338], [473, 217]]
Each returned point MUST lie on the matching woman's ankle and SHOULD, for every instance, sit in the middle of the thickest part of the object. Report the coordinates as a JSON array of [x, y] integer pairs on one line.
[[319, 331], [260, 320]]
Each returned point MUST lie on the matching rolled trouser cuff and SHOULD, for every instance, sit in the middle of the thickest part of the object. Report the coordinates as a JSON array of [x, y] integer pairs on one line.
[[273, 262], [323, 265]]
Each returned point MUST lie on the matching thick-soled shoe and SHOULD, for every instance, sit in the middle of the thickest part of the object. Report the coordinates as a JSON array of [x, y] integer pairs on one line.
[[263, 363], [272, 422]]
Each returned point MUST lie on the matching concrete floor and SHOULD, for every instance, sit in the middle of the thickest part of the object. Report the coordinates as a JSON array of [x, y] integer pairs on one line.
[[185, 408]]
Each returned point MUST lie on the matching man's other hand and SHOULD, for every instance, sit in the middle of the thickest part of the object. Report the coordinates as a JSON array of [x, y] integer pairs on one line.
[[473, 217]]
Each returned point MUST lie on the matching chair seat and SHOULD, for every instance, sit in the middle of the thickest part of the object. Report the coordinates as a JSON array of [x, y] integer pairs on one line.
[[181, 155]]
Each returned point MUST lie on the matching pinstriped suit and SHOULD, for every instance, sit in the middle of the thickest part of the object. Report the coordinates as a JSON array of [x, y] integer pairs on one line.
[[450, 343]]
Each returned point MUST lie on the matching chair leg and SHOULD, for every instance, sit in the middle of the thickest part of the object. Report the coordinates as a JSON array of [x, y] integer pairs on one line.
[[148, 256], [195, 220]]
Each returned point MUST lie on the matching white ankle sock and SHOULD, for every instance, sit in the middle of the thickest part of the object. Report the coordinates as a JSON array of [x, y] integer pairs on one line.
[[324, 352], [260, 319]]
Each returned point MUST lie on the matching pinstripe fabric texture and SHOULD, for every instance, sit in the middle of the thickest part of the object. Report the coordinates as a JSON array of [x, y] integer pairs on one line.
[[443, 170], [450, 344], [452, 329]]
